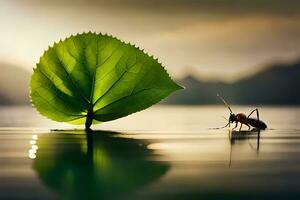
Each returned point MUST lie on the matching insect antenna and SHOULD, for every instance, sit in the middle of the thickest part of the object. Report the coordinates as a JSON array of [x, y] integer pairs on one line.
[[228, 124], [225, 103]]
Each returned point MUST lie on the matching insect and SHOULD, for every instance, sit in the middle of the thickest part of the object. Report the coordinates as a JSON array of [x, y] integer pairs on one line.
[[243, 119]]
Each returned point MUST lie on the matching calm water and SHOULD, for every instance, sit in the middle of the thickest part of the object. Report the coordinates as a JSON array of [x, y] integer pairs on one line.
[[166, 152]]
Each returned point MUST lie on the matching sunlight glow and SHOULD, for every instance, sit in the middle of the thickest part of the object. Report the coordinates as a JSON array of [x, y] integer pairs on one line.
[[32, 152], [34, 137], [32, 142], [32, 156]]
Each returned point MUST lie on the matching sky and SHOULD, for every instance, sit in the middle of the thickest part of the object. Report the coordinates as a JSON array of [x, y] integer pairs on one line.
[[213, 39]]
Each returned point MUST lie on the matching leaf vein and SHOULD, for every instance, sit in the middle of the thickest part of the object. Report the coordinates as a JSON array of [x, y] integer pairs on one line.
[[48, 102], [132, 94], [69, 76]]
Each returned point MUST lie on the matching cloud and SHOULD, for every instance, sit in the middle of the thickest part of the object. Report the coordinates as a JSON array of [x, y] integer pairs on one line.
[[213, 36], [275, 7]]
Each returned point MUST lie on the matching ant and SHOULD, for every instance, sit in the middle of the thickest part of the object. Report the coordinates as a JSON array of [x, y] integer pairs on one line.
[[243, 119]]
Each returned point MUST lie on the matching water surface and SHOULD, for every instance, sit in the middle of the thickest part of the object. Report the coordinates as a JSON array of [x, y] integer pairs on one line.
[[166, 152]]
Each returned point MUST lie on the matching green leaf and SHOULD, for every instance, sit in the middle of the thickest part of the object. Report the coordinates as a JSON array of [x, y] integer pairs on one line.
[[93, 77]]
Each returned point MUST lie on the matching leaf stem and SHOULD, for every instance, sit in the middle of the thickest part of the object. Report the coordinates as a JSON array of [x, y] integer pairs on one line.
[[89, 120]]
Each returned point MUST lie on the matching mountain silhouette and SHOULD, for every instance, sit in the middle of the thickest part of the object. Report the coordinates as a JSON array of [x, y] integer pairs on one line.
[[14, 85], [276, 84]]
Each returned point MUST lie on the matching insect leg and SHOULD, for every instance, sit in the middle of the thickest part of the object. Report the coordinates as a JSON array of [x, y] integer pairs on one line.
[[248, 127], [236, 124], [257, 113], [241, 127]]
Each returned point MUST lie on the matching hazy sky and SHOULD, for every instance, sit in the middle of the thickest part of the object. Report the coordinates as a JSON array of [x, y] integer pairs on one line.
[[218, 38]]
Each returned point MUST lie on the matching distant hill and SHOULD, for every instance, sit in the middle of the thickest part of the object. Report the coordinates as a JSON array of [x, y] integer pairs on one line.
[[14, 85], [277, 84]]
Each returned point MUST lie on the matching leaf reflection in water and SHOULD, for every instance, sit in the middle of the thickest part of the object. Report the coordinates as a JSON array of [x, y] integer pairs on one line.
[[94, 166]]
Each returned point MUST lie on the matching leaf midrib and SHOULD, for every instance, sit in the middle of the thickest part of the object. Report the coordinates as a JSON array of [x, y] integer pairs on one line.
[[95, 71], [93, 81], [122, 75]]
